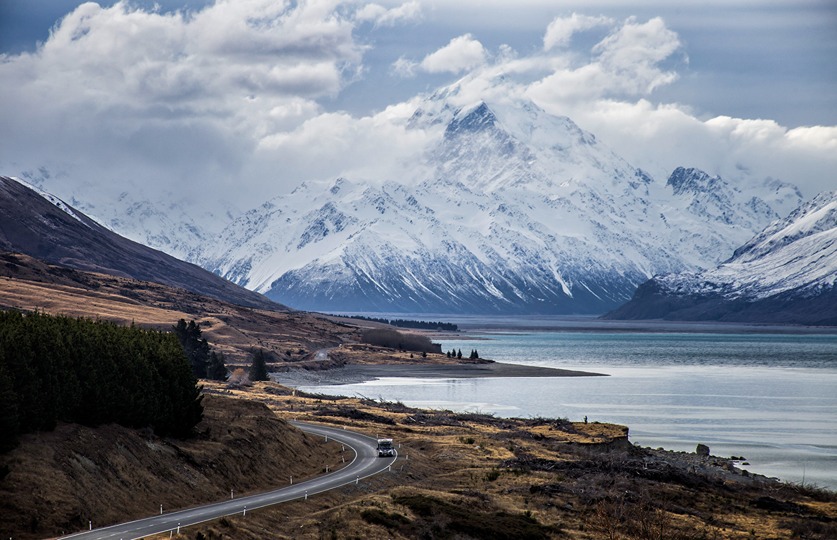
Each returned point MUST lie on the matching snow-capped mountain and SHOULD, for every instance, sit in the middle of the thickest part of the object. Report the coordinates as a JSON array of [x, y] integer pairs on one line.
[[41, 225], [523, 212], [786, 273], [159, 220]]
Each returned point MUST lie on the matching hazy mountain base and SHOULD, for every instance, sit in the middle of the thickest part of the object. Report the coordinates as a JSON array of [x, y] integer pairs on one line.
[[651, 301]]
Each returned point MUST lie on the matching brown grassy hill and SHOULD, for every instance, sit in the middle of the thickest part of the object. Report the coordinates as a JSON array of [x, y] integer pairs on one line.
[[29, 284], [57, 481], [291, 338]]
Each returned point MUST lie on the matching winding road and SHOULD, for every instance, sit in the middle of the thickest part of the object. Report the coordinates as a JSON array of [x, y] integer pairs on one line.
[[365, 464]]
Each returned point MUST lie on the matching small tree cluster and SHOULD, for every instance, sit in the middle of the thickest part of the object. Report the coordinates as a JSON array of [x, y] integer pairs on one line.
[[453, 353], [258, 367], [205, 364]]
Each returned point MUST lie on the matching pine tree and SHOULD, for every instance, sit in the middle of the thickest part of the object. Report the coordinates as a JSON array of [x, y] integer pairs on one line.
[[8, 411], [459, 354], [195, 347], [258, 368], [217, 370]]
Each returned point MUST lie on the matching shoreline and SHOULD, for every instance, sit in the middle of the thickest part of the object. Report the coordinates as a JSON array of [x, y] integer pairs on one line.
[[359, 373], [592, 323]]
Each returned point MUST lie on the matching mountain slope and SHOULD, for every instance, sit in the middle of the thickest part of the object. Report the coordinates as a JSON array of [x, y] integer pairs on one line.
[[787, 273], [46, 228], [520, 212]]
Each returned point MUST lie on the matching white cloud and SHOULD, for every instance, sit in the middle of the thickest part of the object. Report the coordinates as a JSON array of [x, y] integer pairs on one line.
[[626, 63], [635, 51], [660, 137], [382, 16], [405, 68], [230, 101], [375, 148], [123, 93], [461, 54], [561, 29]]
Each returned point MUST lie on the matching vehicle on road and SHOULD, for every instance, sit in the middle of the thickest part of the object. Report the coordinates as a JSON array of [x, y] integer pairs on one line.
[[385, 448]]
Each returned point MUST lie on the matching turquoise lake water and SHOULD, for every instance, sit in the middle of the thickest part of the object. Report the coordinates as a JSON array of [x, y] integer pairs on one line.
[[769, 397]]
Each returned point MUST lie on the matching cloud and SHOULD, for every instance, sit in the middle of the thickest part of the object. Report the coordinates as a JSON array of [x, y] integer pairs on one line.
[[124, 93], [661, 137], [461, 54], [626, 63], [373, 148], [561, 29], [405, 68], [381, 16], [231, 101]]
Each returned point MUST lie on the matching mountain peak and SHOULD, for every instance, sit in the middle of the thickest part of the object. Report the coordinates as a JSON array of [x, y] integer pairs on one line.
[[472, 119], [691, 180], [814, 217], [785, 274]]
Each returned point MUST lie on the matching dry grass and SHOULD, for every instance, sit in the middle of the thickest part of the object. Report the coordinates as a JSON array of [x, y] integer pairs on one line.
[[530, 478]]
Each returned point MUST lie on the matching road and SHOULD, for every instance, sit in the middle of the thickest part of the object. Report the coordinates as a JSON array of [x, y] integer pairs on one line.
[[365, 464]]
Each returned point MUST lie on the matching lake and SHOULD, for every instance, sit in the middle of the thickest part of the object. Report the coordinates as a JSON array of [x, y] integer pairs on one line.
[[769, 397]]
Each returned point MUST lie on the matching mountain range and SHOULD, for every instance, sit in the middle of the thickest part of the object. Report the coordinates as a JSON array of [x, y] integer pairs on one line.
[[519, 211], [786, 274], [508, 210], [43, 226]]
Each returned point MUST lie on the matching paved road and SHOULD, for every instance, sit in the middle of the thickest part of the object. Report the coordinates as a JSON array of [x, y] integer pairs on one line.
[[366, 463]]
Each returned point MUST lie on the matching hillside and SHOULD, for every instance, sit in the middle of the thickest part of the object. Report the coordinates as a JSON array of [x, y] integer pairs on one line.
[[47, 228], [467, 476], [534, 478], [29, 284], [55, 482]]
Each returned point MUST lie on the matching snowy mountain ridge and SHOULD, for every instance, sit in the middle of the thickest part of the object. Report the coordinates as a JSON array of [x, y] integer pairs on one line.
[[785, 274], [524, 212], [798, 253]]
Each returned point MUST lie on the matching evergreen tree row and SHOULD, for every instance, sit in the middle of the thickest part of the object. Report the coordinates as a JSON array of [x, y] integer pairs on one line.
[[406, 323], [91, 372], [453, 353]]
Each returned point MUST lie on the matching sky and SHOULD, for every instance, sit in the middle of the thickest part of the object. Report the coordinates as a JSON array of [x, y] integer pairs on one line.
[[236, 101]]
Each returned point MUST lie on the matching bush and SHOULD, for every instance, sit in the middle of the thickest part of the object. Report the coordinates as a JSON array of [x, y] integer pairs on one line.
[[386, 337], [384, 519], [464, 520]]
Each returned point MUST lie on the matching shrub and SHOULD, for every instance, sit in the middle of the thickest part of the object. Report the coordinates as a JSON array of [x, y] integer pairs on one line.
[[384, 519], [386, 337]]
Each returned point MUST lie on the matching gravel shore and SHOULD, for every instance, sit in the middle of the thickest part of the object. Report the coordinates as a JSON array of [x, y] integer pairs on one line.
[[352, 374]]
